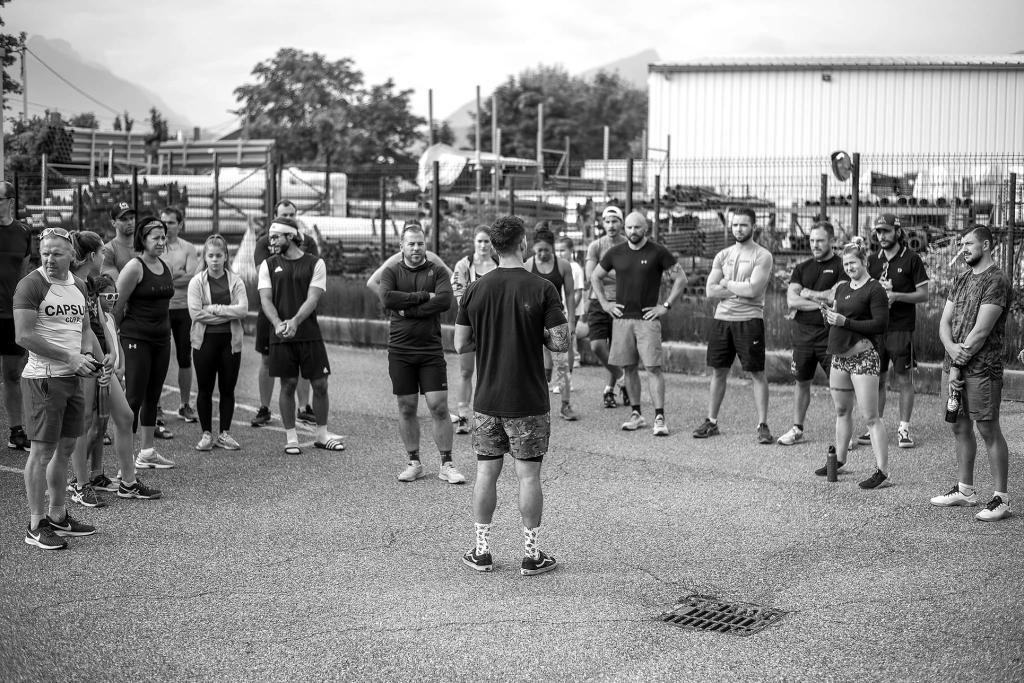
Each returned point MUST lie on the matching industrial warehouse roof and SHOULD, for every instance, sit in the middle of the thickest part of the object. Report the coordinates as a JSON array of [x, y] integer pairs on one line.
[[1015, 61]]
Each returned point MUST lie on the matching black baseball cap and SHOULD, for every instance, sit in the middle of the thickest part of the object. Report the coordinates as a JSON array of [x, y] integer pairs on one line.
[[120, 210], [887, 220]]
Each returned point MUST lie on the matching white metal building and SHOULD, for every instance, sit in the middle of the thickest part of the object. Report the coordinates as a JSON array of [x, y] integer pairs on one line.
[[811, 106]]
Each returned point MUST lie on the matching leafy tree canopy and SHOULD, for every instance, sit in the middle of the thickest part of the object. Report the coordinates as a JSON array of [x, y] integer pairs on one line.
[[84, 120], [573, 106], [319, 110], [13, 45]]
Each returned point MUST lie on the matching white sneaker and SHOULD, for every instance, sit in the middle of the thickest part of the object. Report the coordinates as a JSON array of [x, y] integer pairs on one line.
[[227, 442], [205, 443], [413, 472], [451, 474], [954, 497], [794, 435], [995, 510], [660, 428], [154, 461], [635, 422]]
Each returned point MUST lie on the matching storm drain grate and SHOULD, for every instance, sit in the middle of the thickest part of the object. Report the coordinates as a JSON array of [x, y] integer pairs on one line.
[[707, 613]]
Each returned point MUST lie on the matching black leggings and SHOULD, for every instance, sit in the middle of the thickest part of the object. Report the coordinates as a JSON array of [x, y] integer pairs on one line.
[[215, 363], [145, 367]]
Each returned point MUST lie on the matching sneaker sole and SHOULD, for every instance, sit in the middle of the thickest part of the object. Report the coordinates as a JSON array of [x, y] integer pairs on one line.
[[905, 445], [138, 496], [189, 420], [626, 428], [661, 433], [478, 567], [542, 570], [443, 478], [706, 436], [71, 534], [462, 431], [766, 442], [884, 485], [416, 478], [227, 448], [781, 441], [16, 447], [204, 450], [43, 546], [993, 519], [98, 504], [958, 504], [152, 466]]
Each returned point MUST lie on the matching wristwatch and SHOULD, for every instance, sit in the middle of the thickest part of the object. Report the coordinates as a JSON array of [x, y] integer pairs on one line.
[[667, 304]]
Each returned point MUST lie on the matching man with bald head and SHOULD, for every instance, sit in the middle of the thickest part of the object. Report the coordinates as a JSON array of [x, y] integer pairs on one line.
[[639, 265]]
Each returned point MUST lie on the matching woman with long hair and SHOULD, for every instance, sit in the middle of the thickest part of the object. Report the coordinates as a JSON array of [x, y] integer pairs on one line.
[[145, 287], [858, 315], [87, 458], [217, 303], [471, 267]]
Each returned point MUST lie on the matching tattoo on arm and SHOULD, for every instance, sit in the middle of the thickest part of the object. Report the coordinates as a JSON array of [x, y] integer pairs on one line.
[[558, 339]]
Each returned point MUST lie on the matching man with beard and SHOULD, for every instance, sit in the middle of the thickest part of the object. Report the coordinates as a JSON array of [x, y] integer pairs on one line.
[[597, 318], [15, 251], [639, 265], [738, 279], [972, 330], [417, 291], [812, 284], [902, 273], [119, 250]]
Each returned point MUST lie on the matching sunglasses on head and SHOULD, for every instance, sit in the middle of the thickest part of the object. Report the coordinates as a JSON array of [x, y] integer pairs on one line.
[[59, 232], [109, 297]]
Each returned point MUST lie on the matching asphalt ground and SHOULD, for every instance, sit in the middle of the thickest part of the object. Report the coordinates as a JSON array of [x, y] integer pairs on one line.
[[260, 566]]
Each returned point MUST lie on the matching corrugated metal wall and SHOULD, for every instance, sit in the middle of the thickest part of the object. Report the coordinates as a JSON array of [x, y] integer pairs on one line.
[[787, 113]]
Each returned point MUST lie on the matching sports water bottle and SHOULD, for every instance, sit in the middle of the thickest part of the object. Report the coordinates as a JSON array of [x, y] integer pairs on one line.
[[103, 395]]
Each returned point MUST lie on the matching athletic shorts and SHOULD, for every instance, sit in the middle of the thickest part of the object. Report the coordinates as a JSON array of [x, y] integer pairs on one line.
[[307, 359], [8, 347], [54, 408], [417, 373], [980, 398], [181, 329], [635, 340], [864, 363], [744, 338], [898, 346], [262, 333], [810, 351], [524, 438], [599, 321]]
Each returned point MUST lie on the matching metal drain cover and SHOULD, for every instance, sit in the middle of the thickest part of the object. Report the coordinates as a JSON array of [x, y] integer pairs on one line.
[[708, 613]]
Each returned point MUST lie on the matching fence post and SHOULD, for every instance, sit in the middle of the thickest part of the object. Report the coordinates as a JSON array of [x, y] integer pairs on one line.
[[511, 196], [17, 193], [668, 161], [135, 189], [604, 172], [42, 190], [78, 207], [1012, 227], [383, 213], [216, 192], [655, 233], [629, 186], [824, 197], [855, 203], [435, 207]]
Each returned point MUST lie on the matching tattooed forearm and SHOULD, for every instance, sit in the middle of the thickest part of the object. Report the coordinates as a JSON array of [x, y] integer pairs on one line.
[[557, 339]]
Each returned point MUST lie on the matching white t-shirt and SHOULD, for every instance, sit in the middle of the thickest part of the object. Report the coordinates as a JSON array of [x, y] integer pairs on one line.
[[61, 309], [579, 281]]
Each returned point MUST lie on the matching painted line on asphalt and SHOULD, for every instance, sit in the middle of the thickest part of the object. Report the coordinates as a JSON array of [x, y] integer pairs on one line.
[[15, 470], [300, 427]]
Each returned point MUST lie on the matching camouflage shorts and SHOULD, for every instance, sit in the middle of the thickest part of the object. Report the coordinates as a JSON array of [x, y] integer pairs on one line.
[[524, 438]]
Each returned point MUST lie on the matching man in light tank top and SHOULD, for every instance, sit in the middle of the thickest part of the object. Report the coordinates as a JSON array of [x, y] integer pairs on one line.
[[738, 280]]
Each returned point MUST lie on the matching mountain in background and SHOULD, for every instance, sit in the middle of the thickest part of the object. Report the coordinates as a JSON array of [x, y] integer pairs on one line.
[[633, 69], [47, 91]]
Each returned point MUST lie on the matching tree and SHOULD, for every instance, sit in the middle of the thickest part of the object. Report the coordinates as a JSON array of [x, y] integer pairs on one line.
[[84, 120], [117, 123], [129, 122], [13, 45], [443, 134], [318, 110], [573, 107]]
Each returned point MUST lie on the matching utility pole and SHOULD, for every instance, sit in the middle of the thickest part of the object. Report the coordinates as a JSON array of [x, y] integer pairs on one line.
[[430, 116], [3, 56], [479, 181], [24, 85]]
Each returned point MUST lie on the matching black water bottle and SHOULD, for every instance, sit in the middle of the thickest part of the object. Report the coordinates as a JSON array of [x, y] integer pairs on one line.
[[954, 400]]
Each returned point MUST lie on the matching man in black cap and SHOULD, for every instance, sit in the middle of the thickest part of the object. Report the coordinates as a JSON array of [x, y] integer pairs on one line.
[[119, 251], [902, 273]]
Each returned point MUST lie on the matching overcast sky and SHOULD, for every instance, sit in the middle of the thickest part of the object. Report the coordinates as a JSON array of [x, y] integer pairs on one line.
[[193, 53]]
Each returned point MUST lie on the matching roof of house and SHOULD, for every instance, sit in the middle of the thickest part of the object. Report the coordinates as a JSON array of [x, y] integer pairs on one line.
[[817, 63]]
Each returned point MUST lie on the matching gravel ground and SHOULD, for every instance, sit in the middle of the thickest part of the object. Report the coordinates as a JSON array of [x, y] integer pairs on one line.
[[260, 566]]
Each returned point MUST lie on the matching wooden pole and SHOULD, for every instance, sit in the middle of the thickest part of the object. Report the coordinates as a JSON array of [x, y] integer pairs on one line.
[[479, 171], [430, 116], [495, 148], [216, 192], [655, 232], [604, 172], [435, 207], [540, 146], [383, 213]]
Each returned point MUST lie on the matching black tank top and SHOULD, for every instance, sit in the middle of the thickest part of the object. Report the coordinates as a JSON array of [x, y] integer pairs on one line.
[[554, 277], [145, 316]]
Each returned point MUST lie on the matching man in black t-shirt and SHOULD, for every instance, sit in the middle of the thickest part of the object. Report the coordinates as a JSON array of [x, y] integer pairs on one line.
[[812, 284], [901, 272], [506, 317], [291, 284], [636, 329], [417, 291], [15, 250], [261, 252]]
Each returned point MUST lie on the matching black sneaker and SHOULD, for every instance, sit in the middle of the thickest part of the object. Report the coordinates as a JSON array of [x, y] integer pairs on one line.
[[481, 563], [162, 432], [18, 440], [764, 435], [541, 565], [462, 426], [609, 400], [69, 526], [262, 417], [707, 429], [159, 416], [876, 481], [137, 490], [86, 496], [624, 395], [306, 416], [43, 537], [101, 482]]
